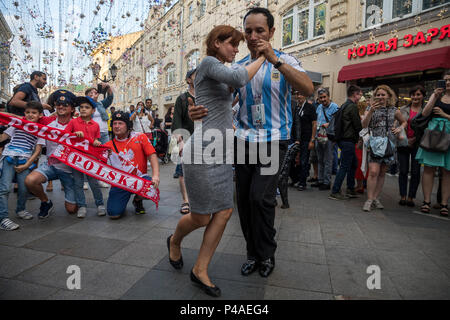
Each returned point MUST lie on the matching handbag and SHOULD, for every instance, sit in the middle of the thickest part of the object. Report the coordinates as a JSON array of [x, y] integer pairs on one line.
[[402, 139], [381, 147], [435, 140], [322, 136]]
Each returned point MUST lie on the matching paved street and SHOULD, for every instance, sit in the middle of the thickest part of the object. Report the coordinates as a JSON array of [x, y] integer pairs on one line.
[[324, 249]]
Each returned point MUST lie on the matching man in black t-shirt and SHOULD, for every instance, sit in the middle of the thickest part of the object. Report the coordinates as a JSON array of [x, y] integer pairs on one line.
[[26, 92], [181, 120], [305, 119]]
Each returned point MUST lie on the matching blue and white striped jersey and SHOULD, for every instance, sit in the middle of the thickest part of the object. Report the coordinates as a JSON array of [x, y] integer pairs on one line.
[[22, 143], [270, 88]]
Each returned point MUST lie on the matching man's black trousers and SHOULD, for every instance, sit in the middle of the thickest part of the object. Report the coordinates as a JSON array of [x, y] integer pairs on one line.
[[256, 201]]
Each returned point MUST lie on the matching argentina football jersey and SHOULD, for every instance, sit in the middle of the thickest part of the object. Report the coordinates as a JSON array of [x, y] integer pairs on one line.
[[265, 103]]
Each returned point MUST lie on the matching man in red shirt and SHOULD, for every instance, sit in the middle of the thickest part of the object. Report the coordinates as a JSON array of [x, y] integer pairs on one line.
[[135, 150], [85, 127]]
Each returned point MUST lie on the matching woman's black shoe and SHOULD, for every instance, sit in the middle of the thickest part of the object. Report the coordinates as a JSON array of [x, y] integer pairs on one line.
[[210, 291], [410, 203], [402, 202], [176, 264]]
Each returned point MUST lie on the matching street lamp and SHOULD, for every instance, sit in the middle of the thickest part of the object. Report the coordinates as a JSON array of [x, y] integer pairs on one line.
[[96, 70]]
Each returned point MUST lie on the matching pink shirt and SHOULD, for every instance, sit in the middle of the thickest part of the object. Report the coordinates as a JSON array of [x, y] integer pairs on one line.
[[410, 132]]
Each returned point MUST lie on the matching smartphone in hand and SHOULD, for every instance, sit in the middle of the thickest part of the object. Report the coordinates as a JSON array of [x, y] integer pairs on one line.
[[441, 84]]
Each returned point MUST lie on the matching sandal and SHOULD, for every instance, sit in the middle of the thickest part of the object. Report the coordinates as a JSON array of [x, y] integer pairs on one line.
[[425, 207], [444, 210], [185, 208]]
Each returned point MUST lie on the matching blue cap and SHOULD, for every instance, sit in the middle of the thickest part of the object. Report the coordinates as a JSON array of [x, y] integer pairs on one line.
[[85, 99]]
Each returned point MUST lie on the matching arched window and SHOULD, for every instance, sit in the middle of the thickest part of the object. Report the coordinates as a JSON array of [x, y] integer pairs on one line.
[[171, 75], [151, 76], [192, 60]]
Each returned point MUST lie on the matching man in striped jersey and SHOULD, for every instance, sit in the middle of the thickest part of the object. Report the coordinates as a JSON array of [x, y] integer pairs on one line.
[[264, 123]]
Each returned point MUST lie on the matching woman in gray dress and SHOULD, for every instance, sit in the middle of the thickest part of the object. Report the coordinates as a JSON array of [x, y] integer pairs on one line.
[[209, 183]]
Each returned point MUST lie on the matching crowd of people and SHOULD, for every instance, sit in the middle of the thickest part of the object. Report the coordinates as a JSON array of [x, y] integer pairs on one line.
[[252, 99]]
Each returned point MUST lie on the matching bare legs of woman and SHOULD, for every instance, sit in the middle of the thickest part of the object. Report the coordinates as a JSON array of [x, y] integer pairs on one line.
[[215, 227], [375, 182], [427, 182]]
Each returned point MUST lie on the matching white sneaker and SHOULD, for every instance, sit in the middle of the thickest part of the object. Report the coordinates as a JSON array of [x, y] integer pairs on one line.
[[101, 211], [8, 225], [25, 215], [103, 184], [367, 205], [81, 212], [85, 186], [377, 204]]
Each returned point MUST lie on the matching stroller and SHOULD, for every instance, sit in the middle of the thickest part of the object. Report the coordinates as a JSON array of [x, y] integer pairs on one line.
[[284, 174], [160, 142]]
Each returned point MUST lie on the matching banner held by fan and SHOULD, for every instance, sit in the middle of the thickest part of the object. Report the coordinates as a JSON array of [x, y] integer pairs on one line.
[[56, 135], [104, 172]]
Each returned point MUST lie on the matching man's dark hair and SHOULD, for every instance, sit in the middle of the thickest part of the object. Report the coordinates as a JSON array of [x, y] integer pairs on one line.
[[35, 105], [418, 87], [36, 74], [148, 99], [113, 108], [86, 93], [323, 90], [352, 89], [264, 11]]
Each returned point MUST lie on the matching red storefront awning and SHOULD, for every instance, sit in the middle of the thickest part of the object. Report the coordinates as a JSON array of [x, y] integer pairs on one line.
[[420, 61]]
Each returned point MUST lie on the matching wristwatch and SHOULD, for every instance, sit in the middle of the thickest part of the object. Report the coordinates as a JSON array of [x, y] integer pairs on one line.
[[278, 64]]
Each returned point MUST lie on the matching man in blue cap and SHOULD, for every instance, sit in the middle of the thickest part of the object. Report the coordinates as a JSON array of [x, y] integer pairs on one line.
[[53, 169]]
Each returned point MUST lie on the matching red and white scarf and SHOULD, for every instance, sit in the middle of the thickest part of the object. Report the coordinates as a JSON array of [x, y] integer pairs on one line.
[[104, 172], [80, 154], [56, 135]]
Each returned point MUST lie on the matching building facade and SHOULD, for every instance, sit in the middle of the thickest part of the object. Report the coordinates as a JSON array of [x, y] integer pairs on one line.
[[336, 40], [5, 60]]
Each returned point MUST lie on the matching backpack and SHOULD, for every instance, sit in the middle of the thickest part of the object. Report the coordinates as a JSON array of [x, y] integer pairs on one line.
[[334, 130]]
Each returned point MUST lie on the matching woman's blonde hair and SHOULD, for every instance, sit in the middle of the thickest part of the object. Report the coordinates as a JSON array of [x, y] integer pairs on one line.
[[392, 100]]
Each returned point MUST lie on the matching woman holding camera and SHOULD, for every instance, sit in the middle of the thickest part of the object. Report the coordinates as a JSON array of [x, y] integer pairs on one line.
[[142, 120], [380, 118], [407, 154], [438, 108]]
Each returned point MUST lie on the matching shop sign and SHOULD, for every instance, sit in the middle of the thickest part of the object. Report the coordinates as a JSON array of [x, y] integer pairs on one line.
[[392, 44]]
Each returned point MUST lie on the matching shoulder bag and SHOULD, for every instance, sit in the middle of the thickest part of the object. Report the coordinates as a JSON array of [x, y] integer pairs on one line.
[[435, 140], [322, 136]]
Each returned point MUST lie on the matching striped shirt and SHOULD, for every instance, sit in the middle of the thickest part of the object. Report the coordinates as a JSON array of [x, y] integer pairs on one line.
[[270, 89], [22, 143]]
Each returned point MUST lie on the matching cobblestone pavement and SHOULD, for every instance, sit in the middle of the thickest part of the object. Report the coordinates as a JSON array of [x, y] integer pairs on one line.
[[324, 250]]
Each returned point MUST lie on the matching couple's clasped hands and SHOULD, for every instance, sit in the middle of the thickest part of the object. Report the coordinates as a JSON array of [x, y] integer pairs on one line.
[[265, 49]]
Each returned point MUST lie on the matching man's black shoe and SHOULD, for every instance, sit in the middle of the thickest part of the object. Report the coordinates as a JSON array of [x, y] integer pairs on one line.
[[139, 207], [324, 187], [249, 267], [301, 188], [316, 185], [266, 267], [312, 180]]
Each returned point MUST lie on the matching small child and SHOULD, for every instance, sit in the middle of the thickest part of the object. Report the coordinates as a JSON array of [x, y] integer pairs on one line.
[[85, 127], [17, 157]]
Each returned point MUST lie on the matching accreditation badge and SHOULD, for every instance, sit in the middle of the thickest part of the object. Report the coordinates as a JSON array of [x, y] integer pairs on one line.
[[258, 115]]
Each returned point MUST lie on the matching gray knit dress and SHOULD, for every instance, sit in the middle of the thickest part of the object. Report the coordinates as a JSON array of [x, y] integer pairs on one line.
[[208, 173]]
